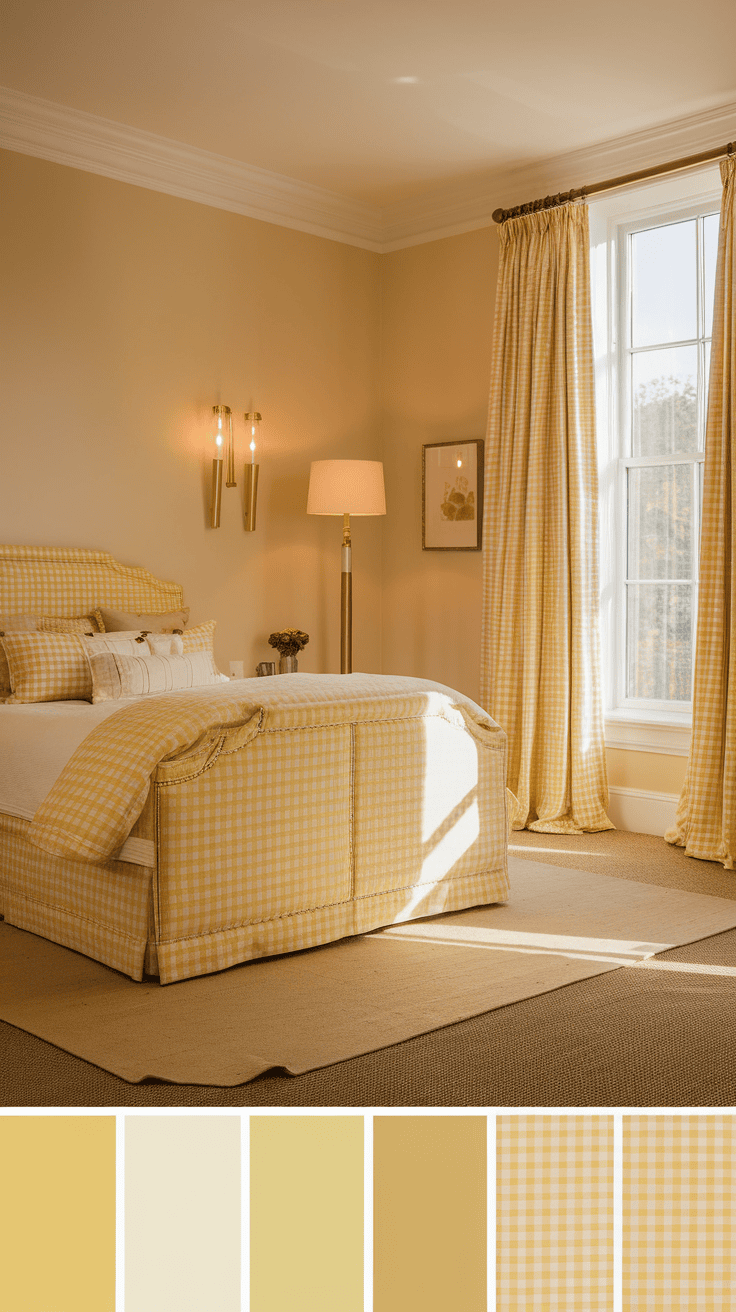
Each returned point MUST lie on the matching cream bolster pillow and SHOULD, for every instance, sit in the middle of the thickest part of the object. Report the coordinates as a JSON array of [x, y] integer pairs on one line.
[[116, 675], [112, 621]]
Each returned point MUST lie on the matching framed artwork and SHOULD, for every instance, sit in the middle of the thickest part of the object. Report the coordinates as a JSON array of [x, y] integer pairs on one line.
[[452, 495]]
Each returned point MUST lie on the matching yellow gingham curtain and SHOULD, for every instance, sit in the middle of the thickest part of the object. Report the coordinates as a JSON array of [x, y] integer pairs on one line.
[[540, 662], [706, 815]]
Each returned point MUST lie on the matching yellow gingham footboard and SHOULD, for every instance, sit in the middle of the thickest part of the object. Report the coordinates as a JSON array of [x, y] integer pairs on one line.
[[281, 837]]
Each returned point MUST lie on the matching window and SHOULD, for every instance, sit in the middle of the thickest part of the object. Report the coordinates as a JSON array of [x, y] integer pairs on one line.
[[668, 274], [654, 256]]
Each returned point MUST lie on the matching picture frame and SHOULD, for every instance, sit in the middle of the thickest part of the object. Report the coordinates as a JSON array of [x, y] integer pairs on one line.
[[452, 495]]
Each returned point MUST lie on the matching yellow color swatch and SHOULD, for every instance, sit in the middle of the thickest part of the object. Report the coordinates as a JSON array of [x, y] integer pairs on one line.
[[306, 1213], [182, 1214], [679, 1213], [554, 1213], [429, 1207], [57, 1213]]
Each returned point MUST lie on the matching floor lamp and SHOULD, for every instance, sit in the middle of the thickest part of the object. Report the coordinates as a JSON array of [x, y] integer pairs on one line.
[[346, 487]]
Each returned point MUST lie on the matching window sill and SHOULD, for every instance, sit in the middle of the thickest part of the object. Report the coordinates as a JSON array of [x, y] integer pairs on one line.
[[667, 733]]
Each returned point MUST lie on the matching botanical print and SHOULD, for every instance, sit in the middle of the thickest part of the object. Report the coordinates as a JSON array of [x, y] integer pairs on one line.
[[459, 501], [452, 495]]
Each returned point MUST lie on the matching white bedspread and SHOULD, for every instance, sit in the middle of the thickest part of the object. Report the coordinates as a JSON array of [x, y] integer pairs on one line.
[[36, 741]]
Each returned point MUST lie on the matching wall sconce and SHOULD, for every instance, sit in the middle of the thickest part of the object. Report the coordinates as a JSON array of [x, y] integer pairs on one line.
[[223, 447], [253, 419]]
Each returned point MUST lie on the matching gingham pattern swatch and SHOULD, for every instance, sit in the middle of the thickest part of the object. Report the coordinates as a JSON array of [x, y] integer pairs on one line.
[[679, 1213], [705, 824], [554, 1213], [540, 655]]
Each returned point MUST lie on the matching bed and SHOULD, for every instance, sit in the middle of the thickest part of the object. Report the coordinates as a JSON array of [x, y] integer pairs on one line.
[[182, 833]]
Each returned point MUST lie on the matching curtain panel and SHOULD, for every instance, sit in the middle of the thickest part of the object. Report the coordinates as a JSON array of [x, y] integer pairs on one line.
[[705, 824], [540, 662]]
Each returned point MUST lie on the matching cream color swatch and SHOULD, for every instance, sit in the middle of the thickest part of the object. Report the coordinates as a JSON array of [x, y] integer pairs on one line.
[[57, 1214], [182, 1213], [429, 1193], [306, 1213], [554, 1213], [679, 1213]]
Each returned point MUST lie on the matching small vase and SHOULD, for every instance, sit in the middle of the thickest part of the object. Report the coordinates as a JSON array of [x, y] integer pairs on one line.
[[287, 665]]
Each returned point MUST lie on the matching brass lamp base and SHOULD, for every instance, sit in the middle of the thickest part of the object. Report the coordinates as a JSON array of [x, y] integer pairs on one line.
[[346, 601]]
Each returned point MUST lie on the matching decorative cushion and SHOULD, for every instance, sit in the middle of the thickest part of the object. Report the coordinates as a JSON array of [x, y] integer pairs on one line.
[[47, 667], [164, 644], [112, 621], [116, 675], [38, 624], [200, 638], [128, 643]]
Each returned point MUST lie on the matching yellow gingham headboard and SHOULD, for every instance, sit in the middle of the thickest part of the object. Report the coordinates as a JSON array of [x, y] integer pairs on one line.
[[72, 581]]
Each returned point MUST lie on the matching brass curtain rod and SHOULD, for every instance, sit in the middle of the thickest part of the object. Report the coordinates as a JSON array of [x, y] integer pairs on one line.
[[580, 193]]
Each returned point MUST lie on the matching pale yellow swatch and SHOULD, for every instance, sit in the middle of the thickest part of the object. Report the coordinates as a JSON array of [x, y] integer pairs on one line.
[[306, 1213], [182, 1214], [57, 1214], [429, 1195], [679, 1213]]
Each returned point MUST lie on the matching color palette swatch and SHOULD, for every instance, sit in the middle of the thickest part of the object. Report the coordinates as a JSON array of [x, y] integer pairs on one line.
[[306, 1213], [57, 1213], [367, 1212], [429, 1213], [554, 1210], [679, 1213]]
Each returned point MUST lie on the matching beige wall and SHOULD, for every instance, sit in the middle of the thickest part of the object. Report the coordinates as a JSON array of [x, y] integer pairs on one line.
[[126, 315], [436, 348]]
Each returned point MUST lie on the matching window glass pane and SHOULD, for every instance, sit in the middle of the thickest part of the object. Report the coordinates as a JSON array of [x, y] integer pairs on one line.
[[710, 251], [664, 271], [664, 401], [659, 623], [661, 522]]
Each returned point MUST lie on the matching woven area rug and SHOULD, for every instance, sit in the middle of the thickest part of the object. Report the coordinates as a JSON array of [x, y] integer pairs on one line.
[[316, 1008]]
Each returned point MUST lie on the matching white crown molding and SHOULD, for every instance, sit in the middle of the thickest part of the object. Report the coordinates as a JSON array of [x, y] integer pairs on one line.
[[98, 145], [68, 136], [447, 211]]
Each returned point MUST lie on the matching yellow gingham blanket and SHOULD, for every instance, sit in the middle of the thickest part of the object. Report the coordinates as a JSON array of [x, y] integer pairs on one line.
[[90, 810]]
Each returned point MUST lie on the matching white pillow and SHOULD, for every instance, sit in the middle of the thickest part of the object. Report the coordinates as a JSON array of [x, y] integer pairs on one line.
[[115, 674]]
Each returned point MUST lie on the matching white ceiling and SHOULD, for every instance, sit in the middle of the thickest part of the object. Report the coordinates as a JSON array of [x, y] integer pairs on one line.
[[379, 101]]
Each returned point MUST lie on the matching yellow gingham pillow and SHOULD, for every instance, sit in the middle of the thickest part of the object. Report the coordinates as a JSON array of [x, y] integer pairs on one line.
[[200, 638], [38, 624], [47, 667]]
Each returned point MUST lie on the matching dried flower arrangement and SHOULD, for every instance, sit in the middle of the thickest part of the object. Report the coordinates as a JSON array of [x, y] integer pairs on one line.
[[288, 641]]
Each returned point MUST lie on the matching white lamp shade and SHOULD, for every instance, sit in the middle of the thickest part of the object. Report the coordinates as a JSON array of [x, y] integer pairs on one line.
[[346, 487]]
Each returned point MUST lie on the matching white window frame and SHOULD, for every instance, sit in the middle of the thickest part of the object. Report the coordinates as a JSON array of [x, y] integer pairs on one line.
[[641, 726]]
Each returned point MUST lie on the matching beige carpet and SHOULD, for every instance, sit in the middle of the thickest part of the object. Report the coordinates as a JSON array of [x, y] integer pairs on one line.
[[316, 1008]]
